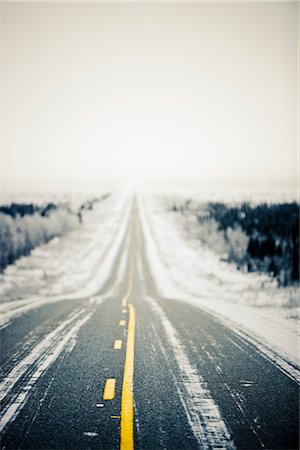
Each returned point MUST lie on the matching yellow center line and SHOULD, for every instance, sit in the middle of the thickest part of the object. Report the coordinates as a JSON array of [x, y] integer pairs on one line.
[[118, 344], [129, 290], [109, 389], [127, 414]]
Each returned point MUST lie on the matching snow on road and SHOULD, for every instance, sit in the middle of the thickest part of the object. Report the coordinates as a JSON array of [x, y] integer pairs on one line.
[[34, 365], [249, 303], [202, 412], [68, 267]]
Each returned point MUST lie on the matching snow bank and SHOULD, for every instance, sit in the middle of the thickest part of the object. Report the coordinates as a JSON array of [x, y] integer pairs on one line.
[[75, 265], [185, 270]]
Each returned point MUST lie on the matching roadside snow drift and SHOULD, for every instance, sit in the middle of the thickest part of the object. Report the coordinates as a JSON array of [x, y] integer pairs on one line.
[[250, 303]]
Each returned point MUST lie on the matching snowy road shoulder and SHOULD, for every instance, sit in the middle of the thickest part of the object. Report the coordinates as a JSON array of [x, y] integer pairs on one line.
[[186, 274], [98, 254]]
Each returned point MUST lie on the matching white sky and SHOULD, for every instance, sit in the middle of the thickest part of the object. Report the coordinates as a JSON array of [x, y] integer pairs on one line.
[[159, 91]]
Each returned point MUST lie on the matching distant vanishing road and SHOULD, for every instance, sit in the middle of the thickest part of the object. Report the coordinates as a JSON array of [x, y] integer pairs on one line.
[[127, 369]]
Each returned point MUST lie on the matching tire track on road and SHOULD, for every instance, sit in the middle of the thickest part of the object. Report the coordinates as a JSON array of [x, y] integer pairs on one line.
[[202, 413]]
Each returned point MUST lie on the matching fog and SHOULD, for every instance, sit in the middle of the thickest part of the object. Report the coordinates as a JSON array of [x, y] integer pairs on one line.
[[158, 92]]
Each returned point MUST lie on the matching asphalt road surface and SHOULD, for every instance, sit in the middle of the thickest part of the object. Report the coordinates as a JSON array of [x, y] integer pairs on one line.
[[127, 369]]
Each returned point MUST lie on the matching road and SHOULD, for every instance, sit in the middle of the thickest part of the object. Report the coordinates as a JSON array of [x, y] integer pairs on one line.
[[128, 369]]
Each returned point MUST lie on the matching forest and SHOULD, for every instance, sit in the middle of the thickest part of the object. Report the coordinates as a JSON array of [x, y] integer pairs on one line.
[[262, 238], [24, 226]]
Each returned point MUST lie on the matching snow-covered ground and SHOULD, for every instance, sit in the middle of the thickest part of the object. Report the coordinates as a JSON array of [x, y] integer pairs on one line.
[[186, 270], [73, 193], [68, 267], [230, 195]]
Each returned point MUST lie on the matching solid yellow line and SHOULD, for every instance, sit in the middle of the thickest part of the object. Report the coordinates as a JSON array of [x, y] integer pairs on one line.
[[109, 389], [122, 323], [118, 344], [127, 414]]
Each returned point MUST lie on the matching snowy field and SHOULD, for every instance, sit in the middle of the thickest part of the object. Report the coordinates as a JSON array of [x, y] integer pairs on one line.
[[59, 192], [230, 195], [186, 270]]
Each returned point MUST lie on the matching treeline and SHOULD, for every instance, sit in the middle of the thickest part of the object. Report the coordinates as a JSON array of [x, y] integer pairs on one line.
[[262, 238], [26, 226]]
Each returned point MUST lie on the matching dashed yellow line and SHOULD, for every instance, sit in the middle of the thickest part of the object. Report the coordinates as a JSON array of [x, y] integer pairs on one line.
[[118, 344], [122, 323], [127, 414], [129, 290], [109, 389]]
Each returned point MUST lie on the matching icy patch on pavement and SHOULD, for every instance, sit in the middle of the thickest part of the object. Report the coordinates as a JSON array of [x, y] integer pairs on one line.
[[186, 271], [90, 434], [203, 414]]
